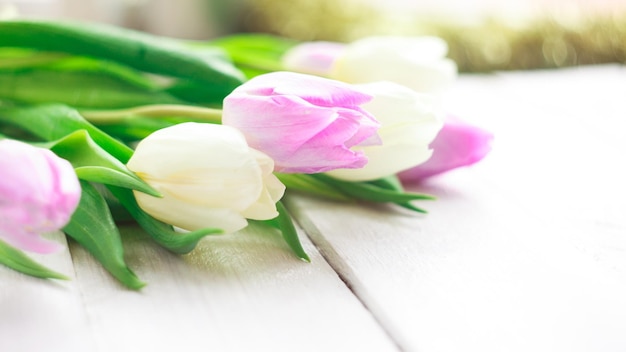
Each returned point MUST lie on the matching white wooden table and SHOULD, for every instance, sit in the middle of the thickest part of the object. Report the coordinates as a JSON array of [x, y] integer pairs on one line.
[[525, 251]]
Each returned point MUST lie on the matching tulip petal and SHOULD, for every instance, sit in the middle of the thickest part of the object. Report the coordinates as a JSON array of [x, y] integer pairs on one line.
[[315, 58], [29, 241], [410, 121], [208, 176], [38, 193], [177, 212], [458, 144], [306, 124], [301, 137], [264, 208], [176, 161], [415, 62], [392, 157], [315, 90]]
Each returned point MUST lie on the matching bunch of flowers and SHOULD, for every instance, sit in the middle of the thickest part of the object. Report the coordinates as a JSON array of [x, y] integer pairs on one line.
[[189, 139]]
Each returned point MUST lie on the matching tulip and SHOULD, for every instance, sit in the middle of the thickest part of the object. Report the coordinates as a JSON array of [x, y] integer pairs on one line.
[[458, 144], [416, 62], [306, 124], [38, 194], [409, 123], [208, 175], [315, 58]]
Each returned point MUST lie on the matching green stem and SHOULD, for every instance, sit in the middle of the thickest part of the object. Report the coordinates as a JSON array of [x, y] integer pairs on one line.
[[156, 111]]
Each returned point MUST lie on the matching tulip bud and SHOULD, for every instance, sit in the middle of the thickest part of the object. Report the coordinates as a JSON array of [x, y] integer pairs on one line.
[[409, 123], [306, 124], [315, 58], [208, 176], [458, 144], [38, 193], [416, 62]]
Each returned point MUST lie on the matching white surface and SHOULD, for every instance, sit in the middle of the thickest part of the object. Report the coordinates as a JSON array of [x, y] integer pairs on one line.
[[525, 251]]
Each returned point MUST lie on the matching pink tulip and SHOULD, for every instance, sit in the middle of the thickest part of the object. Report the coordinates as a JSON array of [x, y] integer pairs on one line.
[[307, 124], [458, 144], [38, 193], [316, 58]]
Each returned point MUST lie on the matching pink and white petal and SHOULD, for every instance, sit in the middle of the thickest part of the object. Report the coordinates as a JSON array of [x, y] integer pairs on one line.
[[458, 144], [29, 241], [315, 90], [313, 57]]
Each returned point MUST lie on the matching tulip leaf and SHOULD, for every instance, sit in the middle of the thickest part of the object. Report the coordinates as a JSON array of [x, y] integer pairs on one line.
[[309, 184], [93, 228], [135, 128], [394, 184], [94, 90], [374, 192], [284, 223], [54, 121], [195, 92], [92, 163], [141, 51], [390, 183], [19, 261], [16, 58], [255, 54], [161, 233], [114, 178], [110, 68]]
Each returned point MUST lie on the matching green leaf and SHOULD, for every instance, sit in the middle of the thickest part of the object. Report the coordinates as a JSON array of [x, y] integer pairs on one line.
[[161, 233], [135, 128], [109, 68], [394, 184], [373, 192], [55, 121], [114, 178], [14, 58], [92, 163], [19, 261], [93, 228], [255, 53], [284, 223], [309, 184], [81, 89], [391, 183], [195, 92], [141, 51]]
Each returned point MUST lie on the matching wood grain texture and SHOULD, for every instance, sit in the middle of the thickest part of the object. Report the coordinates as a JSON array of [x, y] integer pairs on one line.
[[523, 252], [239, 292], [43, 315]]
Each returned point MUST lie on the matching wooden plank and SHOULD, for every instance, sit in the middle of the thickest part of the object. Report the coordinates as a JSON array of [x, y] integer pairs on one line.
[[43, 315], [523, 252], [239, 292]]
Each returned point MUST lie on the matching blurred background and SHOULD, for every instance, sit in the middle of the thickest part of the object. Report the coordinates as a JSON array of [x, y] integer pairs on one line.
[[483, 35]]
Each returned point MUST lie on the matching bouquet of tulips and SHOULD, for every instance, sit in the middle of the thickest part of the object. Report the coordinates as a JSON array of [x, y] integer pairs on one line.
[[189, 139]]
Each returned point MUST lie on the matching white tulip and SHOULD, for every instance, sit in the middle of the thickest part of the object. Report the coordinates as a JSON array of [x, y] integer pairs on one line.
[[416, 62], [208, 177], [419, 63], [409, 123]]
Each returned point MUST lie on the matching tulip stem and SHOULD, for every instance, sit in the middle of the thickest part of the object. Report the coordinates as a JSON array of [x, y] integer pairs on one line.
[[157, 111]]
